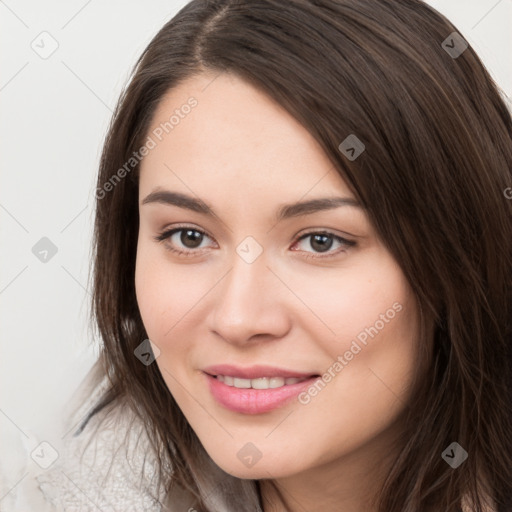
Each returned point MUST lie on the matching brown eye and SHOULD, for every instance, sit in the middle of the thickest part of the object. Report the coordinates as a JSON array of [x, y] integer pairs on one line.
[[182, 240], [322, 242], [191, 238]]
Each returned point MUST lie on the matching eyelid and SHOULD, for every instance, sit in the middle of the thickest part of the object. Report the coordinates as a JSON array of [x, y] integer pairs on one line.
[[345, 243], [165, 234]]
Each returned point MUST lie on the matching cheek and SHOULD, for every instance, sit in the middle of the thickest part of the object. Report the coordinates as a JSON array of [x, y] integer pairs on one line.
[[165, 296], [374, 351], [339, 306], [165, 293]]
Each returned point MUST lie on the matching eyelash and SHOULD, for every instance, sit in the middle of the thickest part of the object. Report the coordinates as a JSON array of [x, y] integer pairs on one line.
[[345, 243]]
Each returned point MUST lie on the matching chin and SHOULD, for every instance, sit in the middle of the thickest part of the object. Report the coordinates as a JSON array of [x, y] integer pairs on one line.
[[262, 468]]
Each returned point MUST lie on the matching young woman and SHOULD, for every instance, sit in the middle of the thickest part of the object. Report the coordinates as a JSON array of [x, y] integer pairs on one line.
[[303, 268]]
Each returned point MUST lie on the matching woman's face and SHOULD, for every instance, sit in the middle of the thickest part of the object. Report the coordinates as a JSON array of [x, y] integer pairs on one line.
[[286, 331]]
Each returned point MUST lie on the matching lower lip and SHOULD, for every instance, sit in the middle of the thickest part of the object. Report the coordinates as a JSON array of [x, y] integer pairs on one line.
[[255, 401]]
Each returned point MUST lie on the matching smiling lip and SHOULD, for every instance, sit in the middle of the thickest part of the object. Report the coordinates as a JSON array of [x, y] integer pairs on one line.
[[254, 372], [255, 401]]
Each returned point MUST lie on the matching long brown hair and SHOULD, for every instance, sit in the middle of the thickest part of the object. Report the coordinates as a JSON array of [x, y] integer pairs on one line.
[[437, 160]]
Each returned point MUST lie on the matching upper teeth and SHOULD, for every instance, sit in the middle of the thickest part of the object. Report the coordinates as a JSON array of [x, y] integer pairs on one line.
[[259, 383]]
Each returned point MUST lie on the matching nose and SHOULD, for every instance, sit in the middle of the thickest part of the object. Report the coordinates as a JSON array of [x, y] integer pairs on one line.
[[249, 304]]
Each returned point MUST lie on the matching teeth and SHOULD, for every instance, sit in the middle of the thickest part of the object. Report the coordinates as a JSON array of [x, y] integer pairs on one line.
[[241, 383], [259, 383]]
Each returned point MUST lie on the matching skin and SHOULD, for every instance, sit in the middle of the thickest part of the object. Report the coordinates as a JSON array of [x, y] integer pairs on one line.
[[246, 156]]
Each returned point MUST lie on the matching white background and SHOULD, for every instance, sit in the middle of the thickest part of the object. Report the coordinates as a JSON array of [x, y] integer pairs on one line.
[[55, 113]]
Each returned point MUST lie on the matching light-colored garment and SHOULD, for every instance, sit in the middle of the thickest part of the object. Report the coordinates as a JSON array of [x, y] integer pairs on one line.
[[109, 466]]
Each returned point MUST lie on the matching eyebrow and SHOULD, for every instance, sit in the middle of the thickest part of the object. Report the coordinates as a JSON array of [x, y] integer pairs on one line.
[[285, 211]]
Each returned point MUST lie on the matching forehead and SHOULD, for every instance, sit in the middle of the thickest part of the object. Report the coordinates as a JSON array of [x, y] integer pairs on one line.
[[217, 130]]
